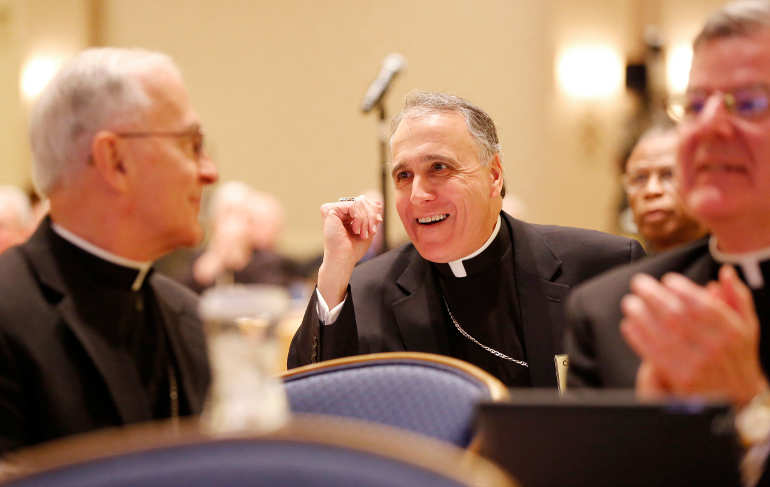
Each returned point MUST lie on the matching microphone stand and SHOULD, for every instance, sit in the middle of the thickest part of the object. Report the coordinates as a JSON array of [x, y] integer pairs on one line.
[[383, 135]]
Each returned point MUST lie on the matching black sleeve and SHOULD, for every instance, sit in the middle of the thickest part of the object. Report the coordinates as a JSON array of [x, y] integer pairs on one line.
[[314, 342], [12, 420]]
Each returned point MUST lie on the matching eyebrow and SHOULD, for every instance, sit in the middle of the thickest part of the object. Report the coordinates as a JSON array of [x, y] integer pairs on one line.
[[427, 158]]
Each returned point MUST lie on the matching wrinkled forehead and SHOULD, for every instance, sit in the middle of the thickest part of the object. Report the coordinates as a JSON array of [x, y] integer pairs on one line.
[[657, 150], [435, 132], [729, 62]]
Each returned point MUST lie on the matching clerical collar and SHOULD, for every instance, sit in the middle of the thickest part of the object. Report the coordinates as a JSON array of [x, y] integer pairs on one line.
[[749, 262], [142, 267], [458, 267]]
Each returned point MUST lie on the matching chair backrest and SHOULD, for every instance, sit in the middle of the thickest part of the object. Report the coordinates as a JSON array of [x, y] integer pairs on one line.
[[308, 452], [425, 393]]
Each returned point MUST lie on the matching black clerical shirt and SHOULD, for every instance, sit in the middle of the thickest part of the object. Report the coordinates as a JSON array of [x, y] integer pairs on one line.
[[129, 320], [485, 304]]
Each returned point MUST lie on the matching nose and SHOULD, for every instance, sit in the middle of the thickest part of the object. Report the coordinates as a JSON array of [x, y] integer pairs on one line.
[[421, 190], [715, 118], [207, 171], [654, 186]]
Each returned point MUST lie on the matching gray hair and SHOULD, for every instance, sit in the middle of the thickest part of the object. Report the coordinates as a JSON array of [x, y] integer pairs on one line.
[[98, 89], [479, 123], [15, 199], [735, 19]]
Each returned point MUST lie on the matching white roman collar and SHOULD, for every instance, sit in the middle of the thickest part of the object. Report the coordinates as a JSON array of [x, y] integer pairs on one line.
[[142, 267], [458, 269], [749, 262]]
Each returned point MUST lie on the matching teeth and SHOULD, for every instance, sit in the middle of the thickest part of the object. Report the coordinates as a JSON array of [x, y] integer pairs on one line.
[[433, 218]]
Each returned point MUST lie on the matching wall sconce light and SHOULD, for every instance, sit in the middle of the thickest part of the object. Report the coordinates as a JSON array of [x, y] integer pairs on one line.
[[590, 71], [590, 74], [35, 75], [678, 64]]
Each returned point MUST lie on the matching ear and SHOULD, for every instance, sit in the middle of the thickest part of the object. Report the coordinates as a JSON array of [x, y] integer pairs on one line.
[[107, 160], [496, 176]]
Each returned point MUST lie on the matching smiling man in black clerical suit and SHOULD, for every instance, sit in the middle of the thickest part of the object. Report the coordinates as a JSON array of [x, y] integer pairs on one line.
[[474, 283], [90, 337]]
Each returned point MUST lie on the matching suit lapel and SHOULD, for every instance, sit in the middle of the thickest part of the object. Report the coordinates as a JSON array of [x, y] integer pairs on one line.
[[117, 369], [115, 366], [417, 309], [703, 269], [541, 301]]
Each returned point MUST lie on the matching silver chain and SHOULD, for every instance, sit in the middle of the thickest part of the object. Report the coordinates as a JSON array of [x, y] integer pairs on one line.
[[469, 337]]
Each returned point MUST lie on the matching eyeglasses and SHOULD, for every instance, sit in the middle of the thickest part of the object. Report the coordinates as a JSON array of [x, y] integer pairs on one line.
[[748, 102], [638, 180], [195, 135]]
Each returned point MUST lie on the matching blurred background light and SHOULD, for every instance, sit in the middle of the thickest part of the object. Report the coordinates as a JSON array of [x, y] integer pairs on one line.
[[678, 67], [36, 73], [590, 71]]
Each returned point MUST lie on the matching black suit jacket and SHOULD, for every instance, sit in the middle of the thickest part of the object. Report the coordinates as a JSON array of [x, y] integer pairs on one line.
[[58, 375], [393, 305], [598, 354]]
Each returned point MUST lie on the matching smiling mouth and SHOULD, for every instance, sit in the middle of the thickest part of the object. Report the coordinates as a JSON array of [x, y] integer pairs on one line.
[[433, 219]]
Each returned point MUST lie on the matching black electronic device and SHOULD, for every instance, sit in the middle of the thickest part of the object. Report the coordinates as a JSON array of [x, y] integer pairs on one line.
[[609, 438]]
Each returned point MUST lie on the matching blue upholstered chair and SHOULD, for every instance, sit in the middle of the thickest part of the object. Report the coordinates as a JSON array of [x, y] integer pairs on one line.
[[425, 393], [308, 452]]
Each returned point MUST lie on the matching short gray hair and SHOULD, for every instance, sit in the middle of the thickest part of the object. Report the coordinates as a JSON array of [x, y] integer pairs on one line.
[[479, 123], [735, 19], [100, 88]]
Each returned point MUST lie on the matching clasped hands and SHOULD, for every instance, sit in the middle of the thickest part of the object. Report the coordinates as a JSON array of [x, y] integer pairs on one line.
[[694, 340]]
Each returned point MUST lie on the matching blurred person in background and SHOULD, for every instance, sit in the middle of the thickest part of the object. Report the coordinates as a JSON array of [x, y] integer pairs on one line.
[[90, 336], [650, 184], [15, 217], [474, 283], [245, 228]]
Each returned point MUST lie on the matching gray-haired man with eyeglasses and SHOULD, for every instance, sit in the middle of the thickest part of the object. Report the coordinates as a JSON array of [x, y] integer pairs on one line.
[[696, 321], [90, 337]]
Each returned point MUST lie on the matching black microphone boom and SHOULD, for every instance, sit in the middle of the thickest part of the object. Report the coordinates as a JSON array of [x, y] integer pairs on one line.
[[391, 66]]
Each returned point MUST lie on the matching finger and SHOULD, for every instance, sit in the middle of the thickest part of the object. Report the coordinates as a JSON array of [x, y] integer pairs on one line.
[[638, 327], [653, 341], [715, 291], [736, 294], [656, 297], [355, 222], [710, 320], [374, 211], [649, 383], [662, 311], [361, 215]]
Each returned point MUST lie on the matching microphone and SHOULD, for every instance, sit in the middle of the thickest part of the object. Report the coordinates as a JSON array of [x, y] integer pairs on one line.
[[391, 66]]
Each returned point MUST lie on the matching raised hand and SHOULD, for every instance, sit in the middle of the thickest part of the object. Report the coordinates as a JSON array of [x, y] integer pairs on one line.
[[348, 228]]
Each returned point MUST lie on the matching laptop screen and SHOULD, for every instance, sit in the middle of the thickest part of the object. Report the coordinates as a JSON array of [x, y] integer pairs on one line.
[[597, 438]]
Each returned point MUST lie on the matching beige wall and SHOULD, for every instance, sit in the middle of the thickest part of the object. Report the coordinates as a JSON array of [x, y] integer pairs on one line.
[[278, 85], [54, 28]]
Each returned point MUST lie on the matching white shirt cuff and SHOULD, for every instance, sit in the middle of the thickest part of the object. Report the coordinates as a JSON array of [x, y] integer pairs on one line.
[[325, 315]]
